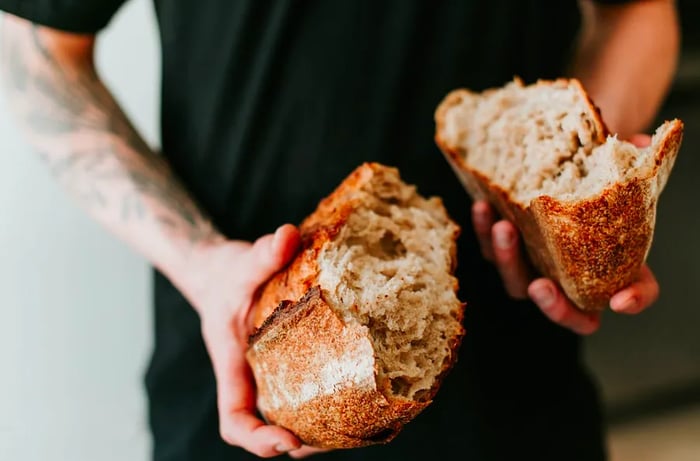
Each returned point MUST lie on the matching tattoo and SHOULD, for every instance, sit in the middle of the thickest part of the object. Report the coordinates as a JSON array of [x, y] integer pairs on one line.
[[17, 72], [50, 125], [89, 144], [39, 45]]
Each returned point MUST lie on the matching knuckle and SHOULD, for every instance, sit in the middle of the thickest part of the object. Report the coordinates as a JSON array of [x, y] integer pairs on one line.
[[505, 258], [264, 452], [227, 437], [508, 267], [655, 292], [587, 328], [261, 450], [584, 327], [558, 315]]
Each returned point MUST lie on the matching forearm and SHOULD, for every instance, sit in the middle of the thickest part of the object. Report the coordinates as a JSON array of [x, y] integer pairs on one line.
[[626, 58], [78, 129]]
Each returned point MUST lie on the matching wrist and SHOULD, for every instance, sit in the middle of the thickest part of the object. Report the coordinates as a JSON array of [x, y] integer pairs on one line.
[[190, 270]]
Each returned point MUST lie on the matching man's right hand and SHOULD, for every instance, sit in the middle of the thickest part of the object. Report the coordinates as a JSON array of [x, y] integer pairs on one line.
[[221, 283]]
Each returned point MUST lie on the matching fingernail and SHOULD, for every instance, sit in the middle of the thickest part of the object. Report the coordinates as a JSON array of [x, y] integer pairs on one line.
[[282, 448], [543, 296], [503, 239], [627, 304]]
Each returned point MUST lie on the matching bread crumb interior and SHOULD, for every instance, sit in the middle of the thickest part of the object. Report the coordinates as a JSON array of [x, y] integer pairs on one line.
[[539, 140], [389, 270]]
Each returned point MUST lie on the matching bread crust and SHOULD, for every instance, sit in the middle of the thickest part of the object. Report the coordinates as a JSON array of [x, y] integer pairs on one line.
[[592, 247], [302, 344], [298, 334], [317, 229]]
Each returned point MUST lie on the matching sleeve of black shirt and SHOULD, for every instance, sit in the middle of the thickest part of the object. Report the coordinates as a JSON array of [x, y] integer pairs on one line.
[[79, 16]]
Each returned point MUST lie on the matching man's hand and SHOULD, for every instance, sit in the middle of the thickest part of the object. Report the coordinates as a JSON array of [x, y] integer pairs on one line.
[[223, 280], [500, 244]]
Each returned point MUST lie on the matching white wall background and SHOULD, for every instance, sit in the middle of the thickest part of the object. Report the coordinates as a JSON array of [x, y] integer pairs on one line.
[[75, 311]]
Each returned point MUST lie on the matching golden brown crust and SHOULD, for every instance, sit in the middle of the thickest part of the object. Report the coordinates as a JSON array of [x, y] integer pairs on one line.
[[340, 407], [315, 374], [592, 247], [317, 229]]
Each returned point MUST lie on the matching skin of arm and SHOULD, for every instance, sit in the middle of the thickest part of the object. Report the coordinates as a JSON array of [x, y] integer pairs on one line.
[[626, 58], [70, 118], [72, 121]]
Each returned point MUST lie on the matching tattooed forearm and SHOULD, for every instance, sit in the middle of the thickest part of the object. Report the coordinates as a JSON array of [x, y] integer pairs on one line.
[[91, 147]]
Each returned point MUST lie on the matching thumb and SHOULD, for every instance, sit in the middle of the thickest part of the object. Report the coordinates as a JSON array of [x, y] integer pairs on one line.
[[269, 254], [640, 140]]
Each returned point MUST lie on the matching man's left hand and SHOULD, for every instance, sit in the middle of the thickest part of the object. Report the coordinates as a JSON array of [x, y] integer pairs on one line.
[[500, 244]]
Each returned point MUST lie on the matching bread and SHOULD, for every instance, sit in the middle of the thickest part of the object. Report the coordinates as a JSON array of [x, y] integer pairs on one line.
[[584, 201], [355, 336]]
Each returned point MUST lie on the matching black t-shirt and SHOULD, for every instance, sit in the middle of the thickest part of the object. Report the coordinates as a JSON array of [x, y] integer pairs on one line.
[[268, 105]]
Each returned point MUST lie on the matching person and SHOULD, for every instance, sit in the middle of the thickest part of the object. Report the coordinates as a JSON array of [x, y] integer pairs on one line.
[[266, 106]]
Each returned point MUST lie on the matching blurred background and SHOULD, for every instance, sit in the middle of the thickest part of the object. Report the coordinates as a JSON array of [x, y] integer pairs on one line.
[[73, 355]]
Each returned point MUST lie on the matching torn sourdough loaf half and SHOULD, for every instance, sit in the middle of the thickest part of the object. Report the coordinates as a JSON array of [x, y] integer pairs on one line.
[[355, 336], [584, 201]]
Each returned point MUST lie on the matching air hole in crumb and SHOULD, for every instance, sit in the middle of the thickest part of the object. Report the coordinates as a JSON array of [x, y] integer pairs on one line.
[[355, 241], [391, 245], [383, 211], [392, 200], [417, 286], [575, 141], [399, 386], [422, 395]]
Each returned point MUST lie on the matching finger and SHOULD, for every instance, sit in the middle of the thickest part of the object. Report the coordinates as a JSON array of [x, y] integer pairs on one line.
[[560, 310], [483, 219], [238, 424], [509, 259], [244, 430], [269, 254], [285, 243], [305, 451], [640, 140], [638, 296]]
